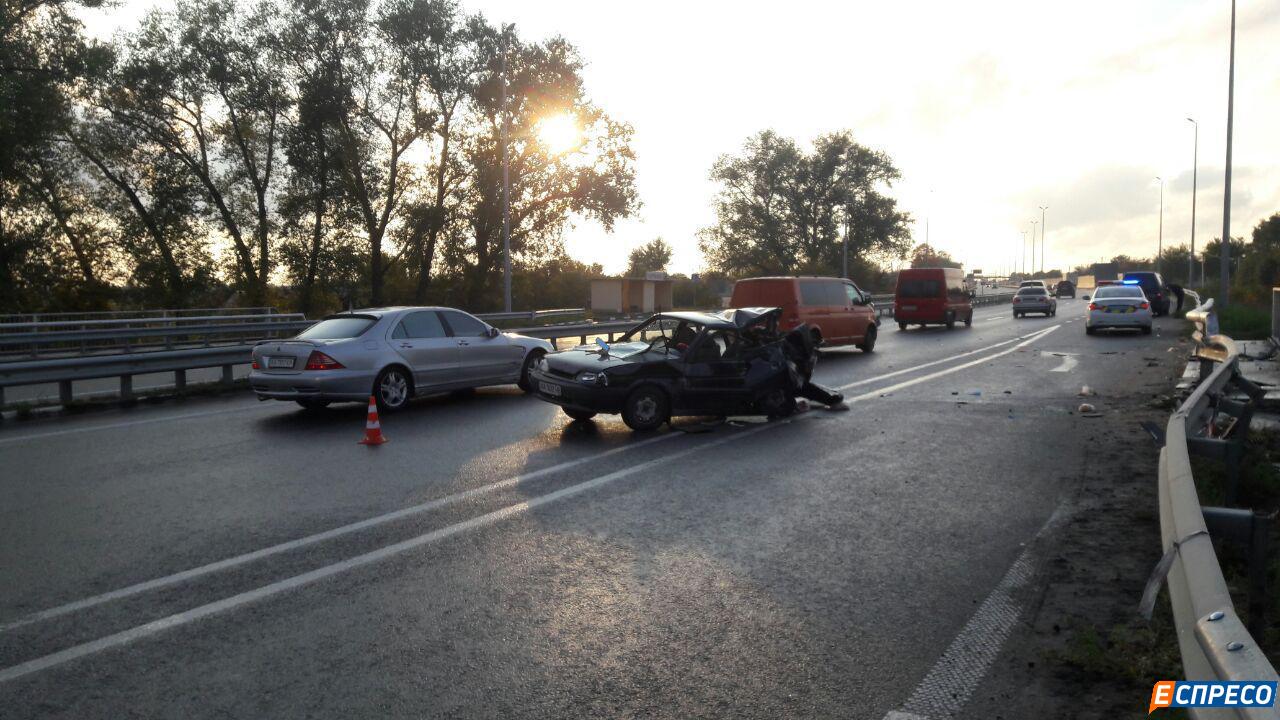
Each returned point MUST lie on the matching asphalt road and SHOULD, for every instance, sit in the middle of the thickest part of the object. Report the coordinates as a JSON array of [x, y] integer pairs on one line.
[[228, 558]]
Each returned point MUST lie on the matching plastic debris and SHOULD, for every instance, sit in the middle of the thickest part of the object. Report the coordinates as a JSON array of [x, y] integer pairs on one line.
[[1086, 408], [1086, 391], [974, 392]]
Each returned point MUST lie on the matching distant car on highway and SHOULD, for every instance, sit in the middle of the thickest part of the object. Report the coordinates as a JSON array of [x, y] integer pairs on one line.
[[1153, 286], [836, 310], [1119, 306], [1035, 299], [937, 296], [684, 363], [1034, 283], [392, 354], [1066, 288]]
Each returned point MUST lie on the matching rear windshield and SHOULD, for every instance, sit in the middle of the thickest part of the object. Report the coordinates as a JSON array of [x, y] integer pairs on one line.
[[919, 288], [1032, 291], [337, 328], [1114, 291], [1145, 281]]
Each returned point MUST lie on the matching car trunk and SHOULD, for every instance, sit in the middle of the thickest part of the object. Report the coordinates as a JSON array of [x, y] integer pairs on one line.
[[285, 357]]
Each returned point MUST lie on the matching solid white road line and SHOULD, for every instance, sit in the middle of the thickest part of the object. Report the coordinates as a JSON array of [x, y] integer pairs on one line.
[[938, 362], [203, 611], [302, 542], [954, 677]]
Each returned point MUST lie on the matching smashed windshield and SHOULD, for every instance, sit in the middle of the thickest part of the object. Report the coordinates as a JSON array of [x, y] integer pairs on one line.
[[658, 334]]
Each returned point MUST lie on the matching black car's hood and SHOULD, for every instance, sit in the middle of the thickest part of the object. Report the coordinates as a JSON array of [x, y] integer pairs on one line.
[[576, 360]]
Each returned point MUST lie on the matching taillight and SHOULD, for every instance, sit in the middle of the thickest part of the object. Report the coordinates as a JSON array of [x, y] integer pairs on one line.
[[1146, 306], [254, 364], [1095, 306], [1017, 300], [320, 361]]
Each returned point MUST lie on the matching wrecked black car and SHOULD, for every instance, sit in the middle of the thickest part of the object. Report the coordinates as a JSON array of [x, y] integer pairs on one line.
[[734, 362]]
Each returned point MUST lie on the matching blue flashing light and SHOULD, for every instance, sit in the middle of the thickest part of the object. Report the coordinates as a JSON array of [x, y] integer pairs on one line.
[[1130, 282]]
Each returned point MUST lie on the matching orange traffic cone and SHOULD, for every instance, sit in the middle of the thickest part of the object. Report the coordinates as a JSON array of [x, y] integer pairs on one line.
[[372, 429]]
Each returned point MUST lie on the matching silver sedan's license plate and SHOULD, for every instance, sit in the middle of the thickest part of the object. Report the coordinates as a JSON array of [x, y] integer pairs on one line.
[[280, 362], [549, 388]]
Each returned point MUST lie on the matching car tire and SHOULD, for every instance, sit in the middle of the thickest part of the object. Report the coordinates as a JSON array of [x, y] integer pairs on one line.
[[1016, 314], [578, 414], [902, 326], [1088, 330], [868, 340], [533, 357], [1054, 313], [951, 321], [392, 389], [1146, 329], [646, 408], [968, 321], [310, 404]]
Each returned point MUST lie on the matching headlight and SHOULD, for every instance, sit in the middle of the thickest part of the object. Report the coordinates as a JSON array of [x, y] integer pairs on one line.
[[593, 378], [542, 365]]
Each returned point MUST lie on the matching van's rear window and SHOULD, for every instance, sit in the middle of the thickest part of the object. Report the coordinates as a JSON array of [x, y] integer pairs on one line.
[[919, 288], [336, 328]]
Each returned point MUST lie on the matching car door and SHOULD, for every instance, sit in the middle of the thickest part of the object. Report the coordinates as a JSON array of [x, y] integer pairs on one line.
[[714, 374], [423, 341], [483, 358], [860, 314]]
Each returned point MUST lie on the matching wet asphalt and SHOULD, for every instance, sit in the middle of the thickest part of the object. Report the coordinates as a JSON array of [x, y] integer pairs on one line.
[[815, 567]]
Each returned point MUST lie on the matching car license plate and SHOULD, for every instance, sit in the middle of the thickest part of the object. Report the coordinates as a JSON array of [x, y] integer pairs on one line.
[[280, 362], [908, 307], [549, 388]]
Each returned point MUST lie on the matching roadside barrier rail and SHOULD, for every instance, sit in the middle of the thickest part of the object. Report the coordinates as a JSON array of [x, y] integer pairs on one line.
[[1214, 642], [129, 334]]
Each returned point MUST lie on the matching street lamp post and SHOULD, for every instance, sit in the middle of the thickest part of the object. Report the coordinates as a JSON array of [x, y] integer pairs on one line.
[[1195, 169], [506, 183], [1033, 246], [1160, 237], [1226, 193], [1024, 252], [1042, 227]]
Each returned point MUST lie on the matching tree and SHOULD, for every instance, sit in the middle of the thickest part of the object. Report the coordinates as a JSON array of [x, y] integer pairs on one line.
[[782, 210], [652, 256], [925, 255]]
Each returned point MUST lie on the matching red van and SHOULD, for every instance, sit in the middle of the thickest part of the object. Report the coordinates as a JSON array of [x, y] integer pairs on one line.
[[838, 311], [926, 296]]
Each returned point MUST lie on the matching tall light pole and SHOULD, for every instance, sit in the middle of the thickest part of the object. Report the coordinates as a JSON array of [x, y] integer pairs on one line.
[[506, 182], [1226, 193], [1033, 246], [1042, 227], [1024, 252], [1195, 169], [1160, 237]]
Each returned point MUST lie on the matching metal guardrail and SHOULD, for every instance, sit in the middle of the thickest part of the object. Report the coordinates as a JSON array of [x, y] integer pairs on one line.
[[532, 315], [84, 336], [130, 314], [1214, 642]]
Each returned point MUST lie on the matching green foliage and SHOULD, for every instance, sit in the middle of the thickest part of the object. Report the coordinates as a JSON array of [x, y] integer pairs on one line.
[[926, 256], [781, 210], [652, 256]]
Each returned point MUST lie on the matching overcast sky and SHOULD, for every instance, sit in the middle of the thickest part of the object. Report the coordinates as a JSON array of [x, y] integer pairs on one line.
[[990, 109]]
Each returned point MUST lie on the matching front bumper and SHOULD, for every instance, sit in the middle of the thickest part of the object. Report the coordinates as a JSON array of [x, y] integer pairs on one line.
[[575, 395], [312, 385]]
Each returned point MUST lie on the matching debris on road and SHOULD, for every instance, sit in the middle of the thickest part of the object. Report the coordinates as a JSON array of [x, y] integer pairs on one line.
[[1086, 391], [1085, 408]]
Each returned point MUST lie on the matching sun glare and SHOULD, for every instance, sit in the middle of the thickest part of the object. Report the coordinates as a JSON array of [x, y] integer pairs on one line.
[[559, 134]]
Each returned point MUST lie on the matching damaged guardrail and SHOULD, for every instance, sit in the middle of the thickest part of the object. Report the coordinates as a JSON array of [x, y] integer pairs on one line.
[[1213, 641]]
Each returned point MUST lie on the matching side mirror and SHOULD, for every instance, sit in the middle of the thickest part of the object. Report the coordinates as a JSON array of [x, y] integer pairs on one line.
[[493, 332]]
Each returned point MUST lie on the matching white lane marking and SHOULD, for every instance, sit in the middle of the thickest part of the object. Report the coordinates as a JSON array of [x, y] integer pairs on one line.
[[937, 362], [301, 542], [128, 423], [994, 317], [954, 677], [1068, 363], [266, 591]]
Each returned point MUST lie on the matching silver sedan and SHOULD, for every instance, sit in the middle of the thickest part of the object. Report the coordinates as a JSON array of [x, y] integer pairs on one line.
[[391, 354], [1034, 298]]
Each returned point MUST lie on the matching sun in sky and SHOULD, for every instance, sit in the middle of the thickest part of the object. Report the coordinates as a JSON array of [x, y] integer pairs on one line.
[[559, 133]]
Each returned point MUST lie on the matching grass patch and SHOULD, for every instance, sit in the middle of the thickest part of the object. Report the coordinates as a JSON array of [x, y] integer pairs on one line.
[[1245, 322]]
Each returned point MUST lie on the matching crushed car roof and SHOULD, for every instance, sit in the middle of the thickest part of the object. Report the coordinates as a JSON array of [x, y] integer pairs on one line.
[[734, 318]]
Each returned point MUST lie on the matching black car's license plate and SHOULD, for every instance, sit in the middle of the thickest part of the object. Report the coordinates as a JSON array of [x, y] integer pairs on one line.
[[549, 388], [280, 362]]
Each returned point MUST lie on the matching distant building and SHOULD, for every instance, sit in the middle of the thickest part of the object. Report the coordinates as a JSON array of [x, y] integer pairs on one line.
[[631, 295]]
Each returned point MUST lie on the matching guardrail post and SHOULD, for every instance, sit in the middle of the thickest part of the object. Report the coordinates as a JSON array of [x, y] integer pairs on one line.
[[126, 388], [227, 377], [64, 392], [1275, 313], [1258, 572], [180, 380]]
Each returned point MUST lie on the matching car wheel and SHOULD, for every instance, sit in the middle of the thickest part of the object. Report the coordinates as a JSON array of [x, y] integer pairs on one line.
[[392, 389], [310, 404], [1016, 314], [902, 326], [1090, 330], [1146, 329], [968, 321], [578, 414], [646, 409], [1054, 313], [869, 340], [951, 321], [530, 359]]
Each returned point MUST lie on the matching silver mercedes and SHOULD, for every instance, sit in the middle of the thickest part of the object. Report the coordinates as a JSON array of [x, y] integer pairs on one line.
[[392, 354]]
